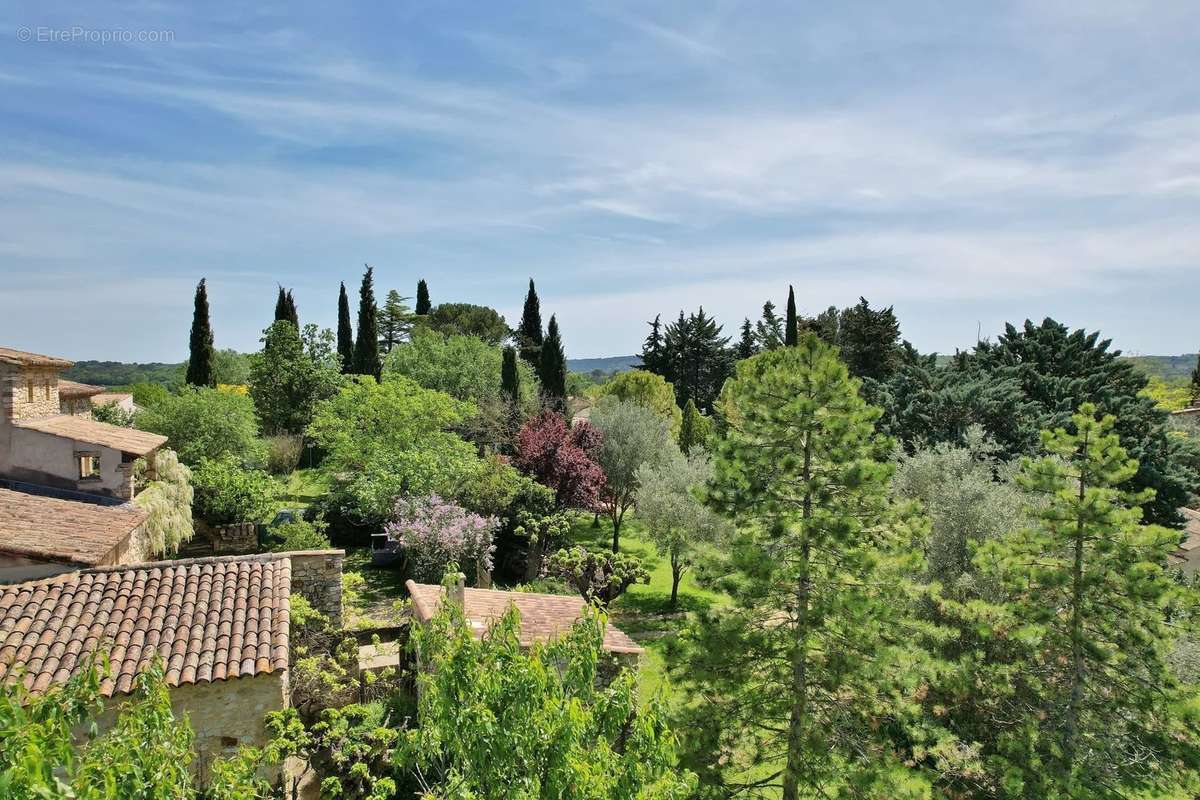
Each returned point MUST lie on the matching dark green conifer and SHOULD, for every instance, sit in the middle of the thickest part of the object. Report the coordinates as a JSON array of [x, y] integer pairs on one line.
[[791, 328], [423, 306], [510, 378], [345, 333], [748, 344], [529, 333], [366, 342], [552, 368], [200, 347]]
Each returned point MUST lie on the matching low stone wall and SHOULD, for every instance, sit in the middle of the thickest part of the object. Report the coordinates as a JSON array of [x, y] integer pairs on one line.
[[229, 540], [317, 575]]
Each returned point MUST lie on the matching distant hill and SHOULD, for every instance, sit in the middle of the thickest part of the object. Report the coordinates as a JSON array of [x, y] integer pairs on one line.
[[609, 364], [117, 373], [1168, 368]]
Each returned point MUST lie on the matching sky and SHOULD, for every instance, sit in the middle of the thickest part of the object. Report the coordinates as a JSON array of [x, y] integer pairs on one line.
[[969, 163]]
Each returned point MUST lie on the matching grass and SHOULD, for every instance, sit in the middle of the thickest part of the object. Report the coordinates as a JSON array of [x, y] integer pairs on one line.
[[381, 586], [301, 489], [644, 611]]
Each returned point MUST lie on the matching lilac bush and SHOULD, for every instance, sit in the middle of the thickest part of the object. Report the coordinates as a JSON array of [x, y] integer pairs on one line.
[[434, 532]]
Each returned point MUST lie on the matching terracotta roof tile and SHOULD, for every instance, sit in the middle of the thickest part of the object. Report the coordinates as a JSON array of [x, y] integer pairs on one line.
[[46, 626], [543, 616], [24, 359], [68, 388], [81, 429], [54, 529]]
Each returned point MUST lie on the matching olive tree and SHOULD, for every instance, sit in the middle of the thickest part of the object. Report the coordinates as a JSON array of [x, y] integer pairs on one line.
[[632, 436]]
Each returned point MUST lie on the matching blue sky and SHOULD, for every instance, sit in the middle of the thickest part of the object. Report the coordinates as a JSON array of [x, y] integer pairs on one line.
[[969, 163]]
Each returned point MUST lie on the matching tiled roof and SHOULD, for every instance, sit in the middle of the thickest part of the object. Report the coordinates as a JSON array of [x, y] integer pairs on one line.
[[56, 529], [209, 619], [543, 616], [81, 429], [68, 388], [24, 359], [104, 398]]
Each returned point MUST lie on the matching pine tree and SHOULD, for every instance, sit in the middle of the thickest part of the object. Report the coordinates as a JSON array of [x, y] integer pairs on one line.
[[395, 321], [552, 369], [200, 346], [870, 341], [1087, 703], [366, 342], [748, 344], [791, 327], [654, 354], [423, 305], [529, 333], [699, 357], [805, 666], [510, 377], [769, 329], [345, 334]]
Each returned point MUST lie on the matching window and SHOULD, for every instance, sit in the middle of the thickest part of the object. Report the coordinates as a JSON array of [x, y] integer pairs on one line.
[[48, 389], [229, 742], [89, 466], [29, 388]]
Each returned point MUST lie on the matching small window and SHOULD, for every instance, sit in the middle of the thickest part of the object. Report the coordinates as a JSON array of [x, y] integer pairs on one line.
[[229, 742], [49, 388], [89, 466], [29, 389]]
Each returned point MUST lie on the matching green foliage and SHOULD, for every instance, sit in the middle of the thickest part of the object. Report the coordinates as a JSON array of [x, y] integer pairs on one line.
[[801, 680], [645, 389], [118, 374], [291, 375], [510, 377], [632, 436], [552, 368], [1169, 395], [200, 345], [465, 319], [225, 493], [868, 339], [668, 502], [423, 305], [791, 325], [694, 429], [464, 367], [529, 333], [598, 577], [395, 321], [748, 343], [387, 439], [144, 756], [1084, 704], [366, 341], [167, 500], [283, 453], [146, 395], [698, 359], [499, 721], [206, 423], [299, 534], [345, 333], [113, 414]]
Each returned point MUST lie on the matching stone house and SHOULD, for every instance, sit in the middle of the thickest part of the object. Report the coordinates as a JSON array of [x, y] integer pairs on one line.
[[543, 616], [44, 533], [76, 398], [40, 443], [219, 625]]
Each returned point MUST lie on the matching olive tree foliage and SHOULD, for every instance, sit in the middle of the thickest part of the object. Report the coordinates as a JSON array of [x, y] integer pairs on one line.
[[633, 435], [970, 497], [167, 500], [646, 389], [668, 502], [497, 721], [805, 677]]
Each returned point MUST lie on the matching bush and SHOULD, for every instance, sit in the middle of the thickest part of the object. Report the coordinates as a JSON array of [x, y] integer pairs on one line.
[[226, 494], [435, 532], [283, 453], [113, 414], [300, 535], [168, 502], [206, 423]]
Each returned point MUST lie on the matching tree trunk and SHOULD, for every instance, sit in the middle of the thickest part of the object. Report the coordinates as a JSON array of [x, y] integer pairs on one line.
[[676, 574], [616, 521], [798, 718], [533, 560]]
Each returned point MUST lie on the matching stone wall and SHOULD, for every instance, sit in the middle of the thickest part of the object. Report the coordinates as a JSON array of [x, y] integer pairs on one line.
[[317, 575], [14, 392], [237, 539]]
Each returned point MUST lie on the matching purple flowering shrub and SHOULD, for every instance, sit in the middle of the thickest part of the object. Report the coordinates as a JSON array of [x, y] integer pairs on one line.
[[434, 532]]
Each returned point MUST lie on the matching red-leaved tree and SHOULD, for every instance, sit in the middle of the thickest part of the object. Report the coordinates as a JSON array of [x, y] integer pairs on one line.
[[561, 457]]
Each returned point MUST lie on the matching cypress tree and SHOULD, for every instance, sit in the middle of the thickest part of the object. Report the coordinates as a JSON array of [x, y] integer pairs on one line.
[[510, 378], [293, 316], [552, 369], [281, 309], [694, 430], [345, 334], [366, 342], [791, 329], [423, 306], [200, 347], [1196, 382], [529, 334]]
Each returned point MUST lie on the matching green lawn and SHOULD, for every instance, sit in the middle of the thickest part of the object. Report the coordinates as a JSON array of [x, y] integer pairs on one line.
[[301, 488], [644, 611]]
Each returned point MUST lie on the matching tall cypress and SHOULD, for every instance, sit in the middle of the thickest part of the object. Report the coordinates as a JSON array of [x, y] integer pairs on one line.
[[281, 308], [529, 334], [510, 378], [552, 369], [366, 342], [1196, 382], [791, 329], [423, 305], [293, 315], [200, 347], [345, 334]]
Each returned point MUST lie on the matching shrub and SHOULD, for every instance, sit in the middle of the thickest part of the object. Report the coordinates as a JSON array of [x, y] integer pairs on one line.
[[168, 501], [435, 532], [300, 535], [598, 577], [283, 453], [226, 494], [206, 423], [113, 414]]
